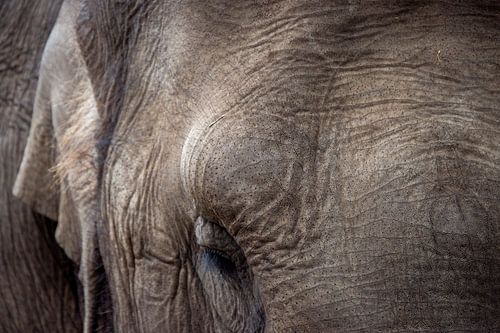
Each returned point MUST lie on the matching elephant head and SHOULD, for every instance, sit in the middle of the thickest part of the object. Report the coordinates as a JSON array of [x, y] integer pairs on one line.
[[278, 166]]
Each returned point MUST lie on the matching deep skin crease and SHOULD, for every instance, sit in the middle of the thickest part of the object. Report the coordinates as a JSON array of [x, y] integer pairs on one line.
[[297, 166]]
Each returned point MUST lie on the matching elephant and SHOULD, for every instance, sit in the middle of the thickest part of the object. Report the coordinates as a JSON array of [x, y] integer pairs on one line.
[[273, 166]]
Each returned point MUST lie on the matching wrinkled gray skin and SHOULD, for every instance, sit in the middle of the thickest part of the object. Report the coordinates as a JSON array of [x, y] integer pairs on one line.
[[287, 166], [38, 286]]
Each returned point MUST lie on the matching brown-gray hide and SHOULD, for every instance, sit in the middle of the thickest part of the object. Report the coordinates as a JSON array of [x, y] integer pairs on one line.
[[276, 166], [38, 288]]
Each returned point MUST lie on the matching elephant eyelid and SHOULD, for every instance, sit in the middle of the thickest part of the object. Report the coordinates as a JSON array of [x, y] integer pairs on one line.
[[215, 239]]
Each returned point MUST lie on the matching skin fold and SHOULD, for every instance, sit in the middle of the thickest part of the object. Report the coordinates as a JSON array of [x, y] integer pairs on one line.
[[274, 166]]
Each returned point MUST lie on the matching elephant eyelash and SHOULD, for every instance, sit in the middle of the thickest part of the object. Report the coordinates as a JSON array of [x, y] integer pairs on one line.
[[219, 260], [216, 252]]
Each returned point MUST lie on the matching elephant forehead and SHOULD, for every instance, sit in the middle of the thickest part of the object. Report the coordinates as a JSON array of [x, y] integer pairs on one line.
[[332, 167]]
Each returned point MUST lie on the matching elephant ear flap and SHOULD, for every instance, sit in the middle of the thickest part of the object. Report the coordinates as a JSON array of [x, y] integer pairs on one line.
[[59, 172], [58, 165]]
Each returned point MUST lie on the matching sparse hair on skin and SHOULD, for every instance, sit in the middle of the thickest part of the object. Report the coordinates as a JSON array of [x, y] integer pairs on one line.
[[76, 146]]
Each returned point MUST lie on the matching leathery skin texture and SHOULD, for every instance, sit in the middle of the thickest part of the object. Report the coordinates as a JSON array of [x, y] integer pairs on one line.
[[350, 151], [297, 166]]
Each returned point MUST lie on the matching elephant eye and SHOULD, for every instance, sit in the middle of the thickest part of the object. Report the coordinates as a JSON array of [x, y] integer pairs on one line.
[[228, 285], [218, 248]]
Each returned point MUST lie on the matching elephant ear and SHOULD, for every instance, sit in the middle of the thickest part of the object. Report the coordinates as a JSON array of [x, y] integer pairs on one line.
[[58, 176]]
